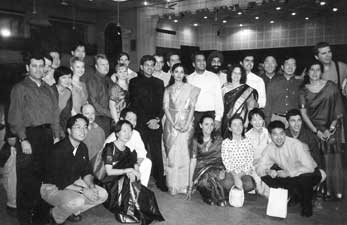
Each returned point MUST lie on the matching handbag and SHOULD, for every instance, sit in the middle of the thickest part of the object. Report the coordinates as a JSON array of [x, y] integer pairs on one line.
[[277, 203], [236, 197]]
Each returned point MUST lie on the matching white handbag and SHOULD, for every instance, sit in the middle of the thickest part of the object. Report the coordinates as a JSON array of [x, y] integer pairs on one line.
[[277, 203], [236, 197]]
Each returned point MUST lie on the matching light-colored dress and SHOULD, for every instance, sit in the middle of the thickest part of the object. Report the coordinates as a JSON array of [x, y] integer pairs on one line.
[[259, 141], [179, 102]]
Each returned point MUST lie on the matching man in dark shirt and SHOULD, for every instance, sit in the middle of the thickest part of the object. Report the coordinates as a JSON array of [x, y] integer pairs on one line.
[[270, 74], [146, 99], [98, 93], [68, 183], [33, 117], [300, 132], [283, 93]]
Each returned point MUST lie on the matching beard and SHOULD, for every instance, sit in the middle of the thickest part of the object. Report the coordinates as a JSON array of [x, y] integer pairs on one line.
[[215, 69]]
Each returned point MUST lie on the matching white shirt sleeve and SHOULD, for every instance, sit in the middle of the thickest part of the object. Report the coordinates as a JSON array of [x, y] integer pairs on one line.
[[219, 106], [136, 143], [262, 93]]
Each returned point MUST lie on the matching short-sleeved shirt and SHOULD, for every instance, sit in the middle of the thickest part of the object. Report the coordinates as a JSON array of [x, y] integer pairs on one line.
[[237, 155]]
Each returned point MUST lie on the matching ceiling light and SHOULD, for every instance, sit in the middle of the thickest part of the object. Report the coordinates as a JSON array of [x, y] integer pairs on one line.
[[278, 8], [205, 17], [5, 32], [257, 17], [195, 24], [175, 21], [145, 3], [224, 21], [335, 9], [241, 25], [307, 18], [293, 13], [272, 21], [239, 13], [322, 3]]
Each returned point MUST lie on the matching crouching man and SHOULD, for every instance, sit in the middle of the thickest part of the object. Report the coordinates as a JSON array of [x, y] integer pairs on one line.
[[68, 184], [297, 170]]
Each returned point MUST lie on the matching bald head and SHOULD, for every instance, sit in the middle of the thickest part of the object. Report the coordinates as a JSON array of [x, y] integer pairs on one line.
[[270, 64], [89, 112]]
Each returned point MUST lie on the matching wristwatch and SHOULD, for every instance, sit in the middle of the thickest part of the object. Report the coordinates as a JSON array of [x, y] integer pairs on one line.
[[81, 191]]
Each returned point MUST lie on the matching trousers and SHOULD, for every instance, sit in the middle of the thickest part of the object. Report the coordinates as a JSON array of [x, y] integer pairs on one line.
[[10, 179]]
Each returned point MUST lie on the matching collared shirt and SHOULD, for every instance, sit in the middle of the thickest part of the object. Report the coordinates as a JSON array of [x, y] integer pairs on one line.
[[165, 77], [135, 143], [63, 167], [258, 84], [222, 78], [267, 80], [282, 96], [331, 74], [98, 89], [95, 139], [293, 156], [33, 105], [210, 97]]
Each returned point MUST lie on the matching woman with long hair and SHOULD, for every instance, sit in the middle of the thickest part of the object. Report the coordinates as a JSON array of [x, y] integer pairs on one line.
[[207, 172], [179, 104], [322, 110], [238, 97]]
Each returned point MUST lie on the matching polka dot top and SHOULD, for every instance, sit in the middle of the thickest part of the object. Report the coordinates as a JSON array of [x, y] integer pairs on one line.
[[237, 155]]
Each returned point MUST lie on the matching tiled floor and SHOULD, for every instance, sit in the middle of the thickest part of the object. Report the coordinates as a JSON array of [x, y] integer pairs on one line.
[[178, 211]]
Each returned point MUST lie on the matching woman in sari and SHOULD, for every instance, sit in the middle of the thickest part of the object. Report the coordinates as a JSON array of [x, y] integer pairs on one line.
[[62, 76], [322, 111], [207, 172], [238, 97], [78, 87], [179, 103]]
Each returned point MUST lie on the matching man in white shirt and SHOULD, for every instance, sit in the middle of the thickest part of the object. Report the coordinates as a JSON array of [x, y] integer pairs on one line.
[[215, 61], [135, 143], [158, 70], [297, 172], [124, 59], [253, 80], [210, 99]]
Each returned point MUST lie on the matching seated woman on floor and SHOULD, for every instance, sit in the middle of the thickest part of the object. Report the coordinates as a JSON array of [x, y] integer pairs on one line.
[[237, 155], [122, 174], [207, 172]]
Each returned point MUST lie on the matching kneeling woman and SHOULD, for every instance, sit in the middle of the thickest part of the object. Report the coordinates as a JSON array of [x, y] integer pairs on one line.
[[237, 155], [121, 172], [207, 172]]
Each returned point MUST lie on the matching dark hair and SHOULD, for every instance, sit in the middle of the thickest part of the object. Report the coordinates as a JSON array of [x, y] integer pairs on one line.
[[99, 56], [53, 49], [146, 58], [287, 57], [196, 54], [47, 56], [198, 131], [228, 133], [172, 79], [36, 56], [61, 71], [275, 124], [118, 126], [243, 78], [244, 55], [123, 54], [168, 56], [74, 59], [256, 111], [319, 45], [125, 111], [77, 44], [293, 112], [72, 120], [307, 77]]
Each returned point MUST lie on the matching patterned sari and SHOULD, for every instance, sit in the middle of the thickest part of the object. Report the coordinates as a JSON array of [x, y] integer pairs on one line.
[[180, 103], [237, 101], [323, 108]]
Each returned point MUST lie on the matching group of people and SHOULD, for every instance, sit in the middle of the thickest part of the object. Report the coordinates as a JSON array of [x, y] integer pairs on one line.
[[205, 131]]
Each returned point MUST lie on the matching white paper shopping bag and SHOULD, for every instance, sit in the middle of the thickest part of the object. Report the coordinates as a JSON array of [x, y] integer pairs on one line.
[[277, 204]]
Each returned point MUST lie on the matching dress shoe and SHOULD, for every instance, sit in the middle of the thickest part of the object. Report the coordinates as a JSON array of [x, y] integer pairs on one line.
[[306, 212], [163, 187], [74, 218], [11, 211]]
